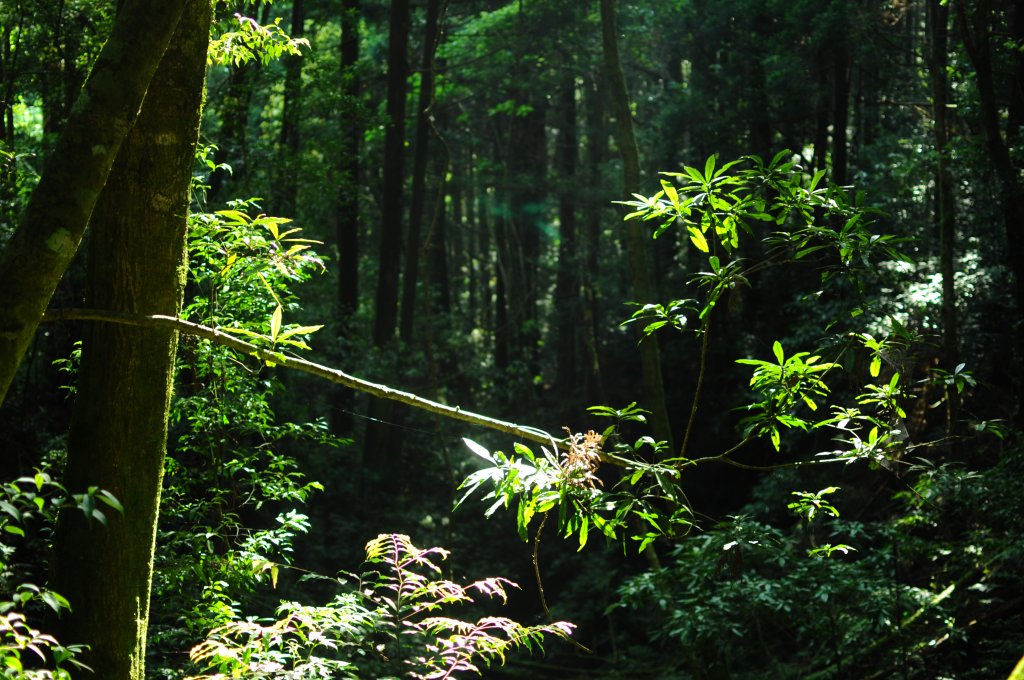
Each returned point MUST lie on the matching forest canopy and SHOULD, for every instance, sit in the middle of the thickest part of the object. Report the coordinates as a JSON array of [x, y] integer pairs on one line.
[[513, 338]]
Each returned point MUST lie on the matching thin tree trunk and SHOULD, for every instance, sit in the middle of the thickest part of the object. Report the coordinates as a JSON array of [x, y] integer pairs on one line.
[[348, 204], [976, 37], [636, 242], [119, 427], [287, 186], [390, 246], [419, 172], [231, 139], [386, 308], [567, 285], [841, 113], [58, 212], [938, 16], [597, 151]]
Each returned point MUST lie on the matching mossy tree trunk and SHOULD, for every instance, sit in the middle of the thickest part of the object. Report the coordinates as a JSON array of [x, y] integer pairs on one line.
[[119, 426], [56, 216]]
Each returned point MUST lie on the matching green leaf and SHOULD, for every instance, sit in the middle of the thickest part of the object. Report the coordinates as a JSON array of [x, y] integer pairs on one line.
[[524, 451], [671, 193], [479, 450], [777, 349], [299, 330], [698, 238], [275, 323], [709, 167], [876, 365]]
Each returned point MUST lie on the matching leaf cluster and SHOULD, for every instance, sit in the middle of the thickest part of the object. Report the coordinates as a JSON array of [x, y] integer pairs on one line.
[[393, 622]]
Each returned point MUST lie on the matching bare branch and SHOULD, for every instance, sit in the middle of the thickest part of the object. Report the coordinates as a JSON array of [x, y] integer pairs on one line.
[[319, 370]]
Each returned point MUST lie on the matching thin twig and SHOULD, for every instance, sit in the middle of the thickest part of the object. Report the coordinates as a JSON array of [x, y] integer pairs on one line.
[[700, 385], [540, 585]]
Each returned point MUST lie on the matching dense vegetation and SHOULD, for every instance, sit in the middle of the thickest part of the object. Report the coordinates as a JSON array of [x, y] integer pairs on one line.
[[326, 324]]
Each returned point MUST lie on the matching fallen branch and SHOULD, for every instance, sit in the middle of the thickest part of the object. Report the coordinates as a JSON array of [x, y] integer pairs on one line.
[[319, 370]]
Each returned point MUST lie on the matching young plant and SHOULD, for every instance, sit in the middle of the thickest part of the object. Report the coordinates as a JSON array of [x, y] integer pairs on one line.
[[394, 622]]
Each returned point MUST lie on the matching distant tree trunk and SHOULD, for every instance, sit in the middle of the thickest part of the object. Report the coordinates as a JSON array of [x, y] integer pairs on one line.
[[502, 329], [639, 259], [8, 79], [419, 172], [821, 118], [286, 185], [347, 201], [349, 170], [596, 152], [474, 257], [386, 306], [938, 19], [231, 139], [56, 216], [486, 255], [9, 54], [841, 113], [1015, 111], [118, 433], [527, 165], [976, 34], [567, 284]]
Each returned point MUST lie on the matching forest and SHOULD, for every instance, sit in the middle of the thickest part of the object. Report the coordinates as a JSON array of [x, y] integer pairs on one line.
[[582, 339]]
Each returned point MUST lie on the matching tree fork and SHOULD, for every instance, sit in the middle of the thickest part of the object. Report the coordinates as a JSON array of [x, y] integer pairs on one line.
[[57, 214]]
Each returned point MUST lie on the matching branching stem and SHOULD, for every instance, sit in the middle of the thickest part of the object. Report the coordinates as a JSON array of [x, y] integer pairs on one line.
[[700, 385]]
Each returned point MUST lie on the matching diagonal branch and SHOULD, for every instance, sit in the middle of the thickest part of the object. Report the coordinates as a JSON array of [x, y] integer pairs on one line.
[[319, 370]]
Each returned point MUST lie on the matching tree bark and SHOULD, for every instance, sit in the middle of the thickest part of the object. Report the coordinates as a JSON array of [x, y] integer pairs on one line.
[[58, 212], [639, 258], [118, 433]]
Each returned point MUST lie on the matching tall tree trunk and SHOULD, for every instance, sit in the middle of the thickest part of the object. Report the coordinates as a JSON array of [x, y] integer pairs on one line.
[[976, 33], [119, 427], [351, 124], [486, 255], [286, 186], [419, 172], [596, 152], [386, 307], [567, 285], [821, 118], [938, 19], [58, 212], [347, 201], [841, 113], [636, 242]]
